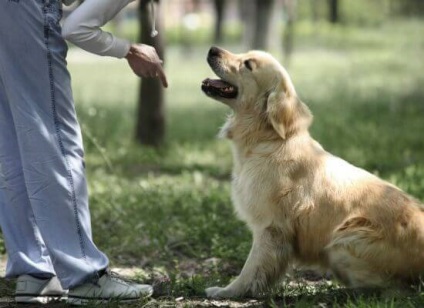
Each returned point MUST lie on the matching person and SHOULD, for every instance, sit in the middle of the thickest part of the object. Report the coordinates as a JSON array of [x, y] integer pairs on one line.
[[44, 212]]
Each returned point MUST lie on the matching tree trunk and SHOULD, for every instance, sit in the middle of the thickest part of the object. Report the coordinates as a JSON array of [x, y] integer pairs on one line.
[[150, 127], [248, 16], [219, 10], [333, 6], [262, 24]]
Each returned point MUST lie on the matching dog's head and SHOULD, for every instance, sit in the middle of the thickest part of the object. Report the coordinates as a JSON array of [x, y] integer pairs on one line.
[[255, 85]]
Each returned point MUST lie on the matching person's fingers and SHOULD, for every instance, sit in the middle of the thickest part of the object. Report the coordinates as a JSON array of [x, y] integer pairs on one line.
[[143, 73], [155, 57], [153, 74], [148, 68], [162, 76]]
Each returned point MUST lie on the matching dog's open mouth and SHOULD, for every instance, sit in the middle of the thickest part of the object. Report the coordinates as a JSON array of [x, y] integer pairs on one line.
[[219, 88]]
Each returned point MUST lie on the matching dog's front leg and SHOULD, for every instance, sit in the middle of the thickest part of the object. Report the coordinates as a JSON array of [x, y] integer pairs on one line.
[[267, 261]]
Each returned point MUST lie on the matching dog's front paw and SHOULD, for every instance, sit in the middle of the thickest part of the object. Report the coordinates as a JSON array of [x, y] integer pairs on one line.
[[217, 292]]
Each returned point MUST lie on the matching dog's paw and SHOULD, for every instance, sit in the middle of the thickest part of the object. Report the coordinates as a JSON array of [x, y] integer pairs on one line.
[[217, 292]]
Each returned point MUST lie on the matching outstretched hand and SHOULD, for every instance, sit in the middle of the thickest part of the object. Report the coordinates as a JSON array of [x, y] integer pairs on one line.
[[145, 62]]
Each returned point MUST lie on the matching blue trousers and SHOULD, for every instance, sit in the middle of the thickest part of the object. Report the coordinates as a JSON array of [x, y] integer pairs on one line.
[[44, 214]]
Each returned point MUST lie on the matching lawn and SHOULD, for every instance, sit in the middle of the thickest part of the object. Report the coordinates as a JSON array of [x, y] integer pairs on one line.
[[166, 214]]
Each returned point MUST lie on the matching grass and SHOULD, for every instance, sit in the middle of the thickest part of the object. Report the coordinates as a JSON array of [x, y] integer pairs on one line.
[[168, 212]]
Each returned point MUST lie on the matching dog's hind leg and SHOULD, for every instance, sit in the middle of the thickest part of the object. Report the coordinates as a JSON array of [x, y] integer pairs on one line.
[[354, 252], [353, 271], [267, 261]]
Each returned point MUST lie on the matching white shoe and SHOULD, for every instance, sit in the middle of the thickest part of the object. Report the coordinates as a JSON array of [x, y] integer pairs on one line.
[[110, 287], [41, 291]]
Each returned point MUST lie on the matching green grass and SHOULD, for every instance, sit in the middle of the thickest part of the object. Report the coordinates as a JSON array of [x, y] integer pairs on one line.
[[169, 212]]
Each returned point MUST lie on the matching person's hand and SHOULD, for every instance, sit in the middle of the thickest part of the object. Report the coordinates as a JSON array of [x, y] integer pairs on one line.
[[145, 62]]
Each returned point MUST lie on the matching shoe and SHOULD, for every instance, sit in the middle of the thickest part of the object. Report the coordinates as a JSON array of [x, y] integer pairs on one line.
[[41, 291], [109, 287]]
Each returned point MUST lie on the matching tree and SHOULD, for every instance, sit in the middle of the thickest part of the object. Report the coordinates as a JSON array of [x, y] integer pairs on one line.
[[150, 126], [333, 6], [262, 25], [257, 16], [219, 9]]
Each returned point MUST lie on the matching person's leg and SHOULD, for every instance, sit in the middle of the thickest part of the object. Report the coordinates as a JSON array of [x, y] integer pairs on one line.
[[38, 89], [27, 253]]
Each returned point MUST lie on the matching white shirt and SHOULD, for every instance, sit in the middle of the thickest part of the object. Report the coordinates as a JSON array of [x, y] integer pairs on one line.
[[83, 27]]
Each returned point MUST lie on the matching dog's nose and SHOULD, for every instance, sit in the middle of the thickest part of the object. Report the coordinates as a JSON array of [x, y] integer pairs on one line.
[[214, 51]]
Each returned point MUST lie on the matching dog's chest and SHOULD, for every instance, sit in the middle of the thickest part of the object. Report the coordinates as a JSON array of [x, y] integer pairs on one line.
[[253, 187]]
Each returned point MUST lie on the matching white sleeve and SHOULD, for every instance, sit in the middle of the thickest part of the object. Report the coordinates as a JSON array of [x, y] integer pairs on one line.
[[83, 28]]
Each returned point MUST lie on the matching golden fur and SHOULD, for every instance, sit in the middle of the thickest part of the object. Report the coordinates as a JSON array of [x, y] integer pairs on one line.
[[301, 203]]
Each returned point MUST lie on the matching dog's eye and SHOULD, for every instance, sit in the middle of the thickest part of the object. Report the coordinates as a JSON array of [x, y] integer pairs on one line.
[[248, 65]]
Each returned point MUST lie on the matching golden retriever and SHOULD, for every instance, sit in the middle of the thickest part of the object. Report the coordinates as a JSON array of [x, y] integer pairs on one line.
[[302, 204]]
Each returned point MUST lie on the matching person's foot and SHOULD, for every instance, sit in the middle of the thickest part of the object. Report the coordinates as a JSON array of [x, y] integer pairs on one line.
[[40, 291], [109, 287]]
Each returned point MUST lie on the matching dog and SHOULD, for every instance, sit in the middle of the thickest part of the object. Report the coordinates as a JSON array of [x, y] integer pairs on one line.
[[302, 204]]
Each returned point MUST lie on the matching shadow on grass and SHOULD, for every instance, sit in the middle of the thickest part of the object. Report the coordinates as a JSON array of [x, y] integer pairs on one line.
[[189, 293]]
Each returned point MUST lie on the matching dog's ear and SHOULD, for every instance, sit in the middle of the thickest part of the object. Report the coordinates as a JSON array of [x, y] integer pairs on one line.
[[285, 111]]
